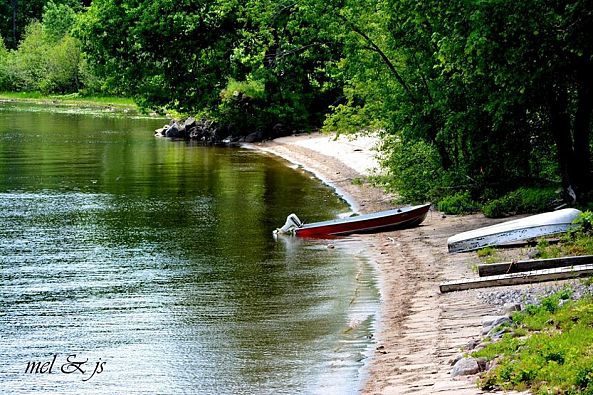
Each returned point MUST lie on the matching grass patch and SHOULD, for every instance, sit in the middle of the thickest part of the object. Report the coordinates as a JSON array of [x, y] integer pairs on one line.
[[358, 181], [578, 241], [579, 245], [488, 255], [74, 99], [486, 251], [547, 350]]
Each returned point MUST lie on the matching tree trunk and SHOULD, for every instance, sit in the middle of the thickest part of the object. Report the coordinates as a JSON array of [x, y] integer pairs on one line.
[[14, 12], [560, 125], [582, 132]]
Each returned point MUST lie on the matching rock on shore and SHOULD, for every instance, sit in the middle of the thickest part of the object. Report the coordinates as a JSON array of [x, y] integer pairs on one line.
[[205, 131]]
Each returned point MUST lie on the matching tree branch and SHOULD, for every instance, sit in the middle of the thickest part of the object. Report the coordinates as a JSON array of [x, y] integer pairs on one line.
[[423, 78], [375, 48]]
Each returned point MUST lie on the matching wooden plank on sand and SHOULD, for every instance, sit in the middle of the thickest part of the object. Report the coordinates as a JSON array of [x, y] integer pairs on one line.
[[518, 278], [532, 264]]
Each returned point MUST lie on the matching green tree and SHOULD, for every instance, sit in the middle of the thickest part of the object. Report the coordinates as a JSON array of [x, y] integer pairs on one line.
[[58, 20], [15, 15], [29, 63], [4, 80], [47, 59], [193, 56], [63, 67], [530, 65], [172, 54], [392, 83], [489, 84], [285, 46]]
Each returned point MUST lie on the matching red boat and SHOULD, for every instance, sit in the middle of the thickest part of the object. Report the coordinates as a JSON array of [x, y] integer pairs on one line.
[[399, 218]]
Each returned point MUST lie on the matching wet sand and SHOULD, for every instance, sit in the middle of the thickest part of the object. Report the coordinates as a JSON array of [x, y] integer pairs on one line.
[[420, 329]]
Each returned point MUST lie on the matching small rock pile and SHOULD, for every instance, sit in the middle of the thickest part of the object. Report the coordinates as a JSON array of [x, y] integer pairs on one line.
[[205, 131]]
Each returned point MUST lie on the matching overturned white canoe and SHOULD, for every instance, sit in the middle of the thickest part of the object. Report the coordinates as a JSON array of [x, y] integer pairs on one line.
[[518, 230]]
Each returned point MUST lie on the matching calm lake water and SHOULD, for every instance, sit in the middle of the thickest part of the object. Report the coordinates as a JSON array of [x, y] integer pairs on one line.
[[131, 264]]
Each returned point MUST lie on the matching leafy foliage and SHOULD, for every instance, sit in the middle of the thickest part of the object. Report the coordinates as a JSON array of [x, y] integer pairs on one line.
[[584, 224], [43, 62], [188, 57], [16, 15], [577, 241], [58, 20], [63, 64], [469, 97], [459, 203], [481, 82], [166, 53], [414, 170], [4, 81], [241, 103], [521, 201], [28, 65]]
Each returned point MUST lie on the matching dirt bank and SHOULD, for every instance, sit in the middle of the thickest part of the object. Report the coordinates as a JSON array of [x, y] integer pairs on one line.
[[420, 329]]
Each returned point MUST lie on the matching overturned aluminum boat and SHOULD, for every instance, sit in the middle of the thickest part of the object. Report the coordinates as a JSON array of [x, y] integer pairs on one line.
[[519, 230], [366, 223]]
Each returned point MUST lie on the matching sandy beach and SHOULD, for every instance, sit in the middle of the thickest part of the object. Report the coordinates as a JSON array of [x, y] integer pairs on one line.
[[420, 329]]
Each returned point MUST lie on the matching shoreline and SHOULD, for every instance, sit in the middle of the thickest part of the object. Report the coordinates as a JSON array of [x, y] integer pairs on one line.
[[71, 100], [322, 155], [419, 330]]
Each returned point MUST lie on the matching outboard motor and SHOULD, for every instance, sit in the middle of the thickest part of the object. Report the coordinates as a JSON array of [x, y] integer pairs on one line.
[[292, 222]]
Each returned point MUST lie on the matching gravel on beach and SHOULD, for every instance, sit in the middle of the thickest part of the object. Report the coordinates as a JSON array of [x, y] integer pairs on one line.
[[535, 293]]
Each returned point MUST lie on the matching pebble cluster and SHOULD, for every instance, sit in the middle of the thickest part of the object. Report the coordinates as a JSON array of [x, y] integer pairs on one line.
[[534, 294]]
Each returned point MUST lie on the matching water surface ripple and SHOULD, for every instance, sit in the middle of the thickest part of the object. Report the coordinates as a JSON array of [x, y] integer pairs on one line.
[[152, 262]]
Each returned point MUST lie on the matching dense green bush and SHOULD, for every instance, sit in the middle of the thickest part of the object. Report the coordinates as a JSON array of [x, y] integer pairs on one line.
[[241, 105], [585, 223], [90, 83], [459, 203], [521, 201], [58, 20], [414, 170], [3, 65], [48, 59], [63, 66], [27, 66]]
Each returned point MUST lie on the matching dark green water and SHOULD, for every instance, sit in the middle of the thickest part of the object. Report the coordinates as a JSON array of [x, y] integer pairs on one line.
[[153, 261]]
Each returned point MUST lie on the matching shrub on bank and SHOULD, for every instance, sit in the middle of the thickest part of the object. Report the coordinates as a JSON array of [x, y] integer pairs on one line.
[[414, 171], [3, 65], [40, 64], [48, 58], [460, 203], [241, 106], [577, 241], [521, 201]]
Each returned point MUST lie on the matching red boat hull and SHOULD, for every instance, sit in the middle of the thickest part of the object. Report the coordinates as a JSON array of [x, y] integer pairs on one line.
[[367, 223]]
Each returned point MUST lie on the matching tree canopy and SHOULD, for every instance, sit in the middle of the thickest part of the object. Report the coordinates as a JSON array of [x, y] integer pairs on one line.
[[15, 15], [492, 88], [468, 96]]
